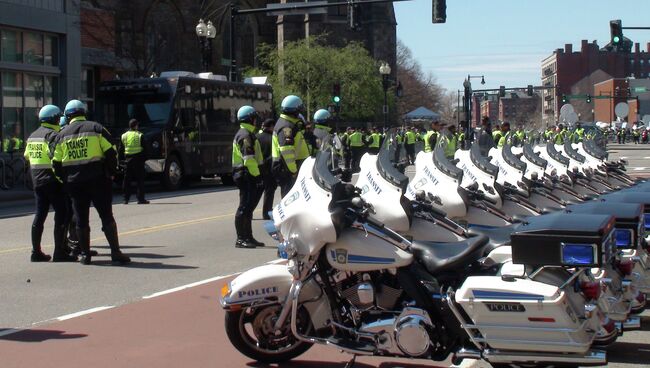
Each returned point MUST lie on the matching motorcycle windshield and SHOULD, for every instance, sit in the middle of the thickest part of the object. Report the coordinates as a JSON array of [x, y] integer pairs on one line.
[[481, 162], [511, 159], [533, 157], [304, 213], [556, 155], [572, 153]]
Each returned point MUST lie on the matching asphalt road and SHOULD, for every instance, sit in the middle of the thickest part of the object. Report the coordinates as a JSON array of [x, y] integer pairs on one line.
[[180, 245]]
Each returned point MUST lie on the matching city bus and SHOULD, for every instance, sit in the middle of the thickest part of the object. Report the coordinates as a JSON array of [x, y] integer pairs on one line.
[[188, 120]]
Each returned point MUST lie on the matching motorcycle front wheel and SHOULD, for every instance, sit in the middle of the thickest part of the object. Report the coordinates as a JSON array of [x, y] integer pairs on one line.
[[251, 332]]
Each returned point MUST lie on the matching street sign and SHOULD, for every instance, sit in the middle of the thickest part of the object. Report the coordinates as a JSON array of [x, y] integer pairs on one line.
[[296, 8], [565, 109], [640, 89], [571, 118], [621, 110]]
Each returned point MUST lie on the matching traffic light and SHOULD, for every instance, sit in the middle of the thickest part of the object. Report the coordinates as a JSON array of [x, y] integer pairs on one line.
[[336, 93], [354, 16], [502, 91], [616, 30], [588, 98], [564, 99], [529, 90], [439, 11]]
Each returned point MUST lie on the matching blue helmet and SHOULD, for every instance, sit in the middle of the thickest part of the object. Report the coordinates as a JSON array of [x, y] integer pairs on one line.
[[291, 105], [62, 121], [322, 116], [246, 114], [75, 108], [49, 114]]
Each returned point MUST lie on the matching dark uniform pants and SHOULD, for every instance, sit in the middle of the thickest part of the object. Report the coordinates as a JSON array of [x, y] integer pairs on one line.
[[99, 192], [398, 153], [270, 185], [134, 172], [51, 194], [70, 221], [248, 198], [410, 152], [357, 152]]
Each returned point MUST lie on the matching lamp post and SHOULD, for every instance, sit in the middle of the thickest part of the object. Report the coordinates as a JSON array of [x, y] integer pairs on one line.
[[467, 85], [384, 70], [206, 33]]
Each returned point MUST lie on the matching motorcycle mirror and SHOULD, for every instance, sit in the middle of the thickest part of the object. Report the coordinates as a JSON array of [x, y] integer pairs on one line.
[[435, 199], [420, 195], [534, 176], [473, 187]]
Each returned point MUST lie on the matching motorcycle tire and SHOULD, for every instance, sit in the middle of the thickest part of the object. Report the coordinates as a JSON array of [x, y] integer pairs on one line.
[[241, 339]]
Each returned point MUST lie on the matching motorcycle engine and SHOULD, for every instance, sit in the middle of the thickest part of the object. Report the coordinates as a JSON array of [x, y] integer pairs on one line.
[[365, 291]]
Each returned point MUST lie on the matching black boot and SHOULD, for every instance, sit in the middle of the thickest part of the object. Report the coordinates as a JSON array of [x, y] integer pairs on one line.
[[84, 244], [37, 253], [249, 233], [241, 229], [117, 256], [61, 251]]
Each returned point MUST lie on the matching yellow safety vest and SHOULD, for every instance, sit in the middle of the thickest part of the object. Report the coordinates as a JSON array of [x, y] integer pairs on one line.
[[427, 136], [132, 142]]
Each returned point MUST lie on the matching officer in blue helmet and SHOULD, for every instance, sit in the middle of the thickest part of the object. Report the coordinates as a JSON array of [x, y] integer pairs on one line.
[[289, 147], [322, 129], [86, 161], [246, 161], [48, 190]]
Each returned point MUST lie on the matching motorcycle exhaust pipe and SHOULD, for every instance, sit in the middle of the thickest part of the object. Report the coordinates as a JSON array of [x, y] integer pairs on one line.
[[590, 358]]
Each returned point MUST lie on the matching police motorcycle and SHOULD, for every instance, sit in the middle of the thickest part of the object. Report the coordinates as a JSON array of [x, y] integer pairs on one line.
[[355, 285], [468, 206], [582, 176], [382, 187], [612, 172]]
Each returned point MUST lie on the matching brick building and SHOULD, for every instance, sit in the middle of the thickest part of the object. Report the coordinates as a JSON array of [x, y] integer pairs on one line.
[[137, 38], [634, 92], [576, 72], [490, 107], [520, 108]]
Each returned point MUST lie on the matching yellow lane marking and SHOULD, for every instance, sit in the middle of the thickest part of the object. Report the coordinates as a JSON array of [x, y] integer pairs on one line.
[[144, 230]]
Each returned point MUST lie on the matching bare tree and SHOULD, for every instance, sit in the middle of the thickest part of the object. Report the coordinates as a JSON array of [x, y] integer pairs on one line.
[[418, 88]]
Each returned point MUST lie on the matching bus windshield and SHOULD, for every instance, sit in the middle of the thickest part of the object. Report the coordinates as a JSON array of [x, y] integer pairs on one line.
[[150, 110]]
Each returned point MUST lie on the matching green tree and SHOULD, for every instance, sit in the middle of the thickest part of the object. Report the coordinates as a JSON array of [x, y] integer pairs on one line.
[[309, 69]]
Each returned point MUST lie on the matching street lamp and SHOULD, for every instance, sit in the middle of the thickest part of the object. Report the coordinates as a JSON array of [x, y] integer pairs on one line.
[[384, 70], [467, 85], [206, 33]]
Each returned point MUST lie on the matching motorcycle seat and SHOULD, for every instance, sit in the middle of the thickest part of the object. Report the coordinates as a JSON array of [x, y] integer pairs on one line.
[[439, 257], [497, 237]]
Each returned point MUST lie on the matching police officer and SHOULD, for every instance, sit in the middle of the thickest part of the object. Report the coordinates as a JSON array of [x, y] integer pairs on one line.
[[48, 189], [246, 159], [398, 140], [289, 148], [265, 138], [322, 129], [505, 135], [374, 141], [86, 161], [409, 144], [355, 140], [133, 146], [431, 136]]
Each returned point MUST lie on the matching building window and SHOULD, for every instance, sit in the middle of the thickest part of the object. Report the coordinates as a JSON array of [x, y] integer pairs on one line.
[[631, 62], [88, 87], [641, 61], [33, 48], [51, 52], [12, 46]]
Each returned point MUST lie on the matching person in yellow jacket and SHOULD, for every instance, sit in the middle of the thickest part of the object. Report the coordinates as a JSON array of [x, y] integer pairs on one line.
[[431, 136], [246, 160], [355, 141], [505, 136], [374, 142], [409, 144], [134, 154], [288, 148], [48, 189]]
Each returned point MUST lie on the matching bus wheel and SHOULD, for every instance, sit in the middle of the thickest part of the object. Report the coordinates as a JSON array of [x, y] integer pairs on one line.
[[173, 175], [226, 179]]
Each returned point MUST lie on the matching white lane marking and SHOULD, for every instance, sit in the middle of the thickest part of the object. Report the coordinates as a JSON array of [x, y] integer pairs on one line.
[[82, 313], [9, 331], [183, 287], [624, 157], [639, 168], [647, 157]]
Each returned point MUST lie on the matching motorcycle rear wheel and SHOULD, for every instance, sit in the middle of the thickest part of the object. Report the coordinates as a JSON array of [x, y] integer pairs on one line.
[[250, 332]]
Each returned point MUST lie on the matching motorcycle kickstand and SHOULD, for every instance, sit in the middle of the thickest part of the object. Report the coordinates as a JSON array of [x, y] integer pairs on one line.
[[352, 361]]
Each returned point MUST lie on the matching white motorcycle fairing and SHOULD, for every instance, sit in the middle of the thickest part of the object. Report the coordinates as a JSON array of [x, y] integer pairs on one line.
[[304, 212], [431, 179], [556, 163], [477, 169], [383, 195], [508, 174]]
